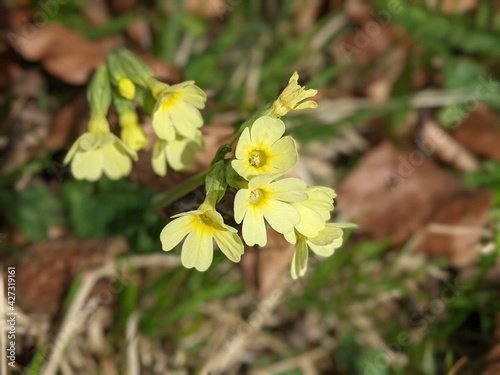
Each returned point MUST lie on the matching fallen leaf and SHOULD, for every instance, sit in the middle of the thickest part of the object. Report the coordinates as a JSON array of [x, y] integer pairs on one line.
[[455, 229], [446, 148], [392, 193], [381, 46], [480, 132], [62, 51], [45, 271]]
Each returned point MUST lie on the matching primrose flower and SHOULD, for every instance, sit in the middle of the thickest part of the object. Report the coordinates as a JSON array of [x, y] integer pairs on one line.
[[99, 151], [315, 211], [261, 150], [324, 245], [265, 199], [177, 109], [132, 133], [179, 153], [201, 227], [291, 98]]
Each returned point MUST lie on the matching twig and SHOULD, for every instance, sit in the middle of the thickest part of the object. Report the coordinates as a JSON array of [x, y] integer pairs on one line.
[[228, 354], [73, 319], [132, 356]]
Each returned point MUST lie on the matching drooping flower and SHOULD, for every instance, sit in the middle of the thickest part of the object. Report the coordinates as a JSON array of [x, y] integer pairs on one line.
[[265, 199], [323, 244], [177, 109], [179, 153], [131, 132], [315, 210], [201, 227], [262, 149], [292, 98], [99, 151]]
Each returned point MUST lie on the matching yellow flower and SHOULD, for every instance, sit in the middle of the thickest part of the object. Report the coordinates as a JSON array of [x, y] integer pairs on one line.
[[324, 245], [291, 98], [315, 211], [201, 227], [177, 109], [261, 150], [132, 133], [99, 151], [264, 199], [179, 153], [126, 88]]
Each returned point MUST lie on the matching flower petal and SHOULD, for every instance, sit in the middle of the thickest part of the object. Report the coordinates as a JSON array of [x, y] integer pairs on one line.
[[87, 165], [175, 231], [244, 143], [281, 216], [115, 163], [240, 205], [162, 122], [299, 262], [327, 235], [159, 158], [289, 190], [267, 130], [229, 243], [311, 222], [254, 228], [283, 154], [197, 250]]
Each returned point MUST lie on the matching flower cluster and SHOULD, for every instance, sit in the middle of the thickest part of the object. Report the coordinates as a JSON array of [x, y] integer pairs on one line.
[[262, 157], [126, 82]]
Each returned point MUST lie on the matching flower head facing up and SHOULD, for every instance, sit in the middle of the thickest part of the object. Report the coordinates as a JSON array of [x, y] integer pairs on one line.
[[265, 199], [177, 109], [292, 98], [262, 149], [97, 152], [201, 227], [324, 245]]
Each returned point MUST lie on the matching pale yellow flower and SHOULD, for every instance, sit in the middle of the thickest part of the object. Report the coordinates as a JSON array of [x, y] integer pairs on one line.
[[179, 153], [201, 227], [324, 245], [98, 151], [315, 211], [177, 109], [292, 98], [262, 150], [265, 199], [131, 132]]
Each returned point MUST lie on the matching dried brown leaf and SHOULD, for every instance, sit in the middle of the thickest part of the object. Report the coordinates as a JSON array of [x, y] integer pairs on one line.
[[45, 271], [455, 230], [480, 132], [62, 51], [392, 193]]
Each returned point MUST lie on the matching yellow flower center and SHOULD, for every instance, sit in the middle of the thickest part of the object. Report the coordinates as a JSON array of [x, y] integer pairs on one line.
[[256, 196], [257, 158], [169, 99]]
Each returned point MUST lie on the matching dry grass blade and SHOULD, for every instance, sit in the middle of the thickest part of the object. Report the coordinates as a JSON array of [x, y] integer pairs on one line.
[[74, 317]]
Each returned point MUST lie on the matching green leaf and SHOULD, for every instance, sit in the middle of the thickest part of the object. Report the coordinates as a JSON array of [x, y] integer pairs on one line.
[[33, 210]]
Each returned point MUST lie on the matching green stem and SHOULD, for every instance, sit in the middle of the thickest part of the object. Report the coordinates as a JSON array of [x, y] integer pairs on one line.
[[164, 199]]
